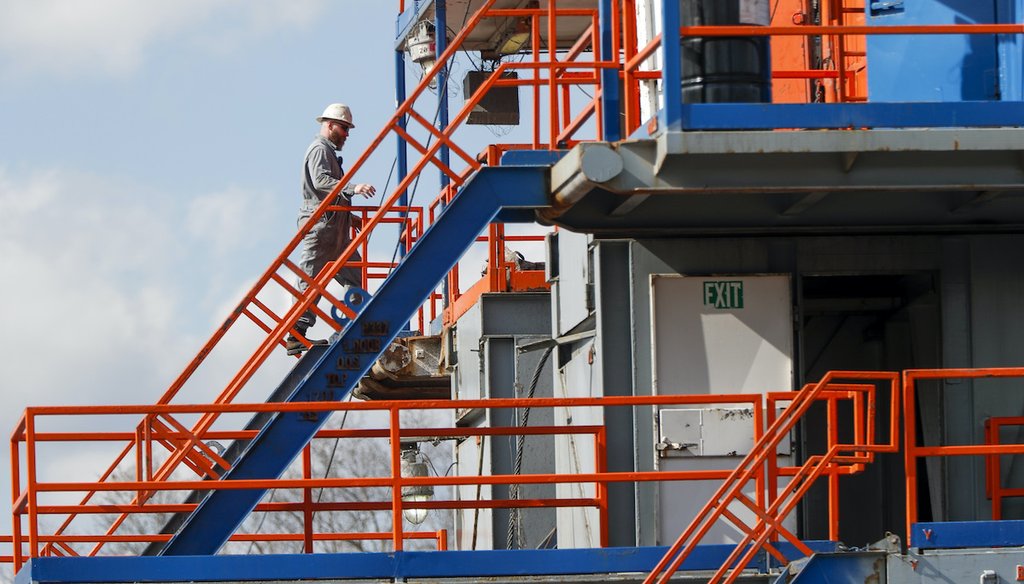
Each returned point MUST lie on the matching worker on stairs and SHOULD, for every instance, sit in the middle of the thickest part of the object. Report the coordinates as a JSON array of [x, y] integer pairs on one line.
[[332, 233]]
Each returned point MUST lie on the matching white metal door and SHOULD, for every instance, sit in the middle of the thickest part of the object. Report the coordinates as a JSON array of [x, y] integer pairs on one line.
[[721, 334]]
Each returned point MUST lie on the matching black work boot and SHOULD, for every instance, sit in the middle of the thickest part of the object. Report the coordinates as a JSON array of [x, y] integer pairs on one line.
[[294, 346]]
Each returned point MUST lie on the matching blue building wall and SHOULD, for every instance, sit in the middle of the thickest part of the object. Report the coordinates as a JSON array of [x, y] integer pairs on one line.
[[944, 67], [1011, 50]]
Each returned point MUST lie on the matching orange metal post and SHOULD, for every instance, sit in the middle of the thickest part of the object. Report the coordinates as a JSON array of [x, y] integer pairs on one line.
[[16, 496], [553, 115], [442, 540], [631, 91], [833, 477], [307, 501], [30, 489], [535, 53], [396, 479], [601, 466]]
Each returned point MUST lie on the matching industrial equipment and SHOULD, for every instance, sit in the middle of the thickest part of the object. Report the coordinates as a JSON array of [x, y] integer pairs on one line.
[[775, 338]]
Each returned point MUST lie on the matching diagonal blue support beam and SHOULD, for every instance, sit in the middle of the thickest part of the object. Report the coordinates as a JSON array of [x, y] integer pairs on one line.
[[360, 344]]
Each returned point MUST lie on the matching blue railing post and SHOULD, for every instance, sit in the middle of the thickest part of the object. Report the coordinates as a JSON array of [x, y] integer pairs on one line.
[[441, 45], [402, 148], [611, 102], [671, 117]]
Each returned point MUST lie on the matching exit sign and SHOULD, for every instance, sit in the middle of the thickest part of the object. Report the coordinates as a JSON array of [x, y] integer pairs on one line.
[[723, 294]]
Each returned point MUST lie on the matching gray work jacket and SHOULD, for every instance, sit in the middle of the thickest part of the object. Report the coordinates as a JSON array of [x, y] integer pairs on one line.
[[320, 174]]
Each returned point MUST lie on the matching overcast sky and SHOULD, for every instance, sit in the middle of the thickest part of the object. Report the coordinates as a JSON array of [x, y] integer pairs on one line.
[[150, 157]]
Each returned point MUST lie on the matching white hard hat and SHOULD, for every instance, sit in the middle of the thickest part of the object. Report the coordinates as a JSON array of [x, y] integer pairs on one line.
[[338, 112]]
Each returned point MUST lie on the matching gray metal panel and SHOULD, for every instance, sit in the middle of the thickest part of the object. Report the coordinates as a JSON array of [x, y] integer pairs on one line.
[[948, 566], [958, 394], [500, 372], [613, 359], [466, 378], [997, 278], [517, 313], [490, 365], [578, 527], [573, 281]]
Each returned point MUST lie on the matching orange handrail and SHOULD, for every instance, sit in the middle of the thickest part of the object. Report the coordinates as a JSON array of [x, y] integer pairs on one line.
[[31, 486], [912, 451], [993, 466], [754, 465]]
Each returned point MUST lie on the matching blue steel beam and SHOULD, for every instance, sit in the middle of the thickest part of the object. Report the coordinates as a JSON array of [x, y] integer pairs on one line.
[[771, 116], [967, 534], [670, 117], [611, 103], [360, 344], [440, 46], [400, 565]]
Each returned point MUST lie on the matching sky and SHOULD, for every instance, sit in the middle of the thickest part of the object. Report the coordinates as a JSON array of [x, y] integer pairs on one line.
[[150, 158]]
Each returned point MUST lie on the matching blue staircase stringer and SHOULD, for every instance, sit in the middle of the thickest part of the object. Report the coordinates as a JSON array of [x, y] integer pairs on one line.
[[349, 358]]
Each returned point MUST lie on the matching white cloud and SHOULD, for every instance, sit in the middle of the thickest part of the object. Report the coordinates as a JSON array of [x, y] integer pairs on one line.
[[114, 37], [86, 294], [230, 219], [98, 306]]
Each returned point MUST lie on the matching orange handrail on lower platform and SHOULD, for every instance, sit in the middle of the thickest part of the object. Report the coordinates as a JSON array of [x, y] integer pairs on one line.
[[993, 465], [37, 491], [912, 451]]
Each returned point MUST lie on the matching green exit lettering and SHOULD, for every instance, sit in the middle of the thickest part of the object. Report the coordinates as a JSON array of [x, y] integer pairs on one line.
[[723, 294]]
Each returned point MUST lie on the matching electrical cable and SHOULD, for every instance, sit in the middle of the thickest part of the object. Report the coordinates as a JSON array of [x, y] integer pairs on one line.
[[319, 496], [330, 459], [415, 185], [259, 526], [514, 531]]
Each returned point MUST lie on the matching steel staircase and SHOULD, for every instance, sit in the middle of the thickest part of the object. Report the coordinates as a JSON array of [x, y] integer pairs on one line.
[[472, 198], [352, 352]]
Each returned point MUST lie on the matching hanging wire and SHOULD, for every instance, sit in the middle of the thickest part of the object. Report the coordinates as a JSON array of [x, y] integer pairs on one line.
[[514, 527]]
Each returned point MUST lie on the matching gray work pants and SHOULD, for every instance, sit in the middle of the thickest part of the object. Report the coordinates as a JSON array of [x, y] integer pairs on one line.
[[323, 244]]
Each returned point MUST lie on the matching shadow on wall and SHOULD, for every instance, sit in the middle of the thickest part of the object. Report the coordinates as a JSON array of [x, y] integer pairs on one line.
[[979, 77]]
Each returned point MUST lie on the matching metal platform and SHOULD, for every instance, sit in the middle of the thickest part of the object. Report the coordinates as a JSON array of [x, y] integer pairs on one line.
[[798, 181]]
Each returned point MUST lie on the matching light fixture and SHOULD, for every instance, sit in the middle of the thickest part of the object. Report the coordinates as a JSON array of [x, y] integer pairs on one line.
[[414, 465], [422, 48], [516, 37]]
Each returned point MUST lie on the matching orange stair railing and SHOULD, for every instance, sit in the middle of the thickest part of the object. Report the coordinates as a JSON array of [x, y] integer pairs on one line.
[[839, 458], [189, 450]]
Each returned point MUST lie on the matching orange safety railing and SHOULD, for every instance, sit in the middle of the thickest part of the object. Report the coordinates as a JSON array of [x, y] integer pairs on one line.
[[502, 272], [844, 70], [994, 488], [839, 458], [41, 495], [34, 489], [913, 451], [562, 70]]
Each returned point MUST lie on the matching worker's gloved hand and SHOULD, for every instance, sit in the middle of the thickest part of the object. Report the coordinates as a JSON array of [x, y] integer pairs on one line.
[[364, 189]]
